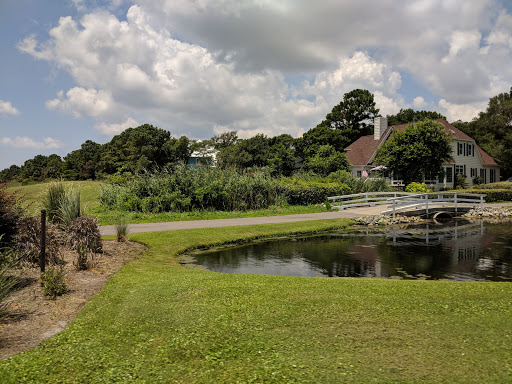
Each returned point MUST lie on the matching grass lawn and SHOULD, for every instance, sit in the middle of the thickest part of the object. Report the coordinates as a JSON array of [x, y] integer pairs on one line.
[[157, 322], [34, 194]]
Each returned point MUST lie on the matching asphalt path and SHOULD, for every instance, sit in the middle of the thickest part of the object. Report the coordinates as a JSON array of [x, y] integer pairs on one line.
[[216, 223]]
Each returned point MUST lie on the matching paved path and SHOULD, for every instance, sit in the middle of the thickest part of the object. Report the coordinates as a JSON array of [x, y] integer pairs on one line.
[[214, 223], [175, 225]]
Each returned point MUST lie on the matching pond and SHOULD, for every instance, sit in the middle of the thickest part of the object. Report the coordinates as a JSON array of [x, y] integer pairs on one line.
[[460, 250]]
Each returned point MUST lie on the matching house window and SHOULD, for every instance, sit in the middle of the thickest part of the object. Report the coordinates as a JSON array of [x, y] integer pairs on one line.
[[470, 150], [460, 148], [483, 175], [492, 175], [358, 173], [449, 175], [473, 172], [459, 169]]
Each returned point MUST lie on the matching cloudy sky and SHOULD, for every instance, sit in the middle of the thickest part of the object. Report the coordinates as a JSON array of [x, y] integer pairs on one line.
[[74, 70]]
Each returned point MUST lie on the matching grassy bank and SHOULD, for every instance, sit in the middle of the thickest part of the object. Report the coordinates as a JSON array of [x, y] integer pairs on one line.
[[156, 321]]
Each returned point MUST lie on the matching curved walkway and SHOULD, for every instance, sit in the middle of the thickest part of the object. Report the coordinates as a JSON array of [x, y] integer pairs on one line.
[[214, 223]]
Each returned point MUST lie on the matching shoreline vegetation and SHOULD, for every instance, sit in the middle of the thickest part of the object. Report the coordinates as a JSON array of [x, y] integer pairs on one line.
[[156, 321]]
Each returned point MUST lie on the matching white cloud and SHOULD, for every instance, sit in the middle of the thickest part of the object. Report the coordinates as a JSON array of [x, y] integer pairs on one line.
[[7, 109], [114, 129], [464, 112], [228, 69], [419, 102], [80, 101], [26, 142]]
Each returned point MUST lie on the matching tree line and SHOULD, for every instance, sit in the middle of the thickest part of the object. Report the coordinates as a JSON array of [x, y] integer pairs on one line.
[[320, 150]]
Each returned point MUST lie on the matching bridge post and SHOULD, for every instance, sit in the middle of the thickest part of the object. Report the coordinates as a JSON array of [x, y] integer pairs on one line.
[[455, 199], [426, 205]]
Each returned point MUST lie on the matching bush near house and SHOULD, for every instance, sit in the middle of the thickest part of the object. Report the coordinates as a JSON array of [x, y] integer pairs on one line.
[[492, 195], [501, 185]]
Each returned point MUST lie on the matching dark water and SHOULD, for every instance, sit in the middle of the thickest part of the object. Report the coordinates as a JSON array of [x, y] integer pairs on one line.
[[455, 251]]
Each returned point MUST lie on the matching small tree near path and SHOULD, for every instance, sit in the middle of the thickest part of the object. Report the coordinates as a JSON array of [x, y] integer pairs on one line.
[[417, 151]]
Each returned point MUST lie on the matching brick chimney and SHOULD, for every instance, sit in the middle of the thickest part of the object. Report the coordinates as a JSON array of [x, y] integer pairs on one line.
[[379, 127]]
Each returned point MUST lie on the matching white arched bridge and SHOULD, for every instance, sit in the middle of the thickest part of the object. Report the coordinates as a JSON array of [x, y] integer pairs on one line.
[[417, 204]]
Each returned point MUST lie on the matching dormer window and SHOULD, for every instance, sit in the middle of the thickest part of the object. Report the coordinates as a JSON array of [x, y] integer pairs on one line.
[[465, 149]]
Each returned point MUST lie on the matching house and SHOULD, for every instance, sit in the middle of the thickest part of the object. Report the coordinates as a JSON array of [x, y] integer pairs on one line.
[[468, 158]]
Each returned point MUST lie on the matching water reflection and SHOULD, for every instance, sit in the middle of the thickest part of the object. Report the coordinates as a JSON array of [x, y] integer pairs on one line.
[[459, 251]]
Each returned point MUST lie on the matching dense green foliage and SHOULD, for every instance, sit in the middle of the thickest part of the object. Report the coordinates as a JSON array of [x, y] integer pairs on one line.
[[353, 116], [492, 130], [11, 212], [157, 322], [502, 185], [53, 282], [186, 189], [492, 195], [415, 187], [417, 151], [406, 116]]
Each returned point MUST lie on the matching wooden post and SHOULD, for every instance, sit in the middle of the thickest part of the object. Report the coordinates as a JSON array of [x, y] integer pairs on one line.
[[42, 259]]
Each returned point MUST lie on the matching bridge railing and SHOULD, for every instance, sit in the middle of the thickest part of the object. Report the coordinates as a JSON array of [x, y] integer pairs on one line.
[[433, 199], [404, 201], [366, 199]]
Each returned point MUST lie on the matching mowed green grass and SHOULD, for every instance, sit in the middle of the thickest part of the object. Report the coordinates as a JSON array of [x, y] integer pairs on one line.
[[34, 194], [158, 322]]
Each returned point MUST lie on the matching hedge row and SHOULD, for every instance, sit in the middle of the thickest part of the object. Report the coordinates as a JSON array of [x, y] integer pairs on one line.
[[501, 185], [492, 195]]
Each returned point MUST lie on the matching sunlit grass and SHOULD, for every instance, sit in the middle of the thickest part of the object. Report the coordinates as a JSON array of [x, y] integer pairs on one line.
[[157, 322]]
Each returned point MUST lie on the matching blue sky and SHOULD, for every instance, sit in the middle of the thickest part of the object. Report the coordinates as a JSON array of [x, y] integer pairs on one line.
[[78, 70]]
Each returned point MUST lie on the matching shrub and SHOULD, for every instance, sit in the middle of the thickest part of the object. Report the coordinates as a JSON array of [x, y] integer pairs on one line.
[[122, 229], [84, 231], [360, 185], [28, 241], [7, 282], [53, 282], [11, 212], [500, 185], [493, 195], [84, 258], [52, 200], [460, 181], [69, 208], [417, 188]]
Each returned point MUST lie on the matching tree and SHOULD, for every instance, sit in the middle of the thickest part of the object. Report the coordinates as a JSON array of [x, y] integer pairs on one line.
[[492, 130], [309, 143], [409, 115], [417, 151], [281, 157], [135, 149], [327, 160], [224, 140], [82, 163], [354, 115]]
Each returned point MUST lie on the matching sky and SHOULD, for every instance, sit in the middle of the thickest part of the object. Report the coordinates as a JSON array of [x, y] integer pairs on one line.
[[77, 70]]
